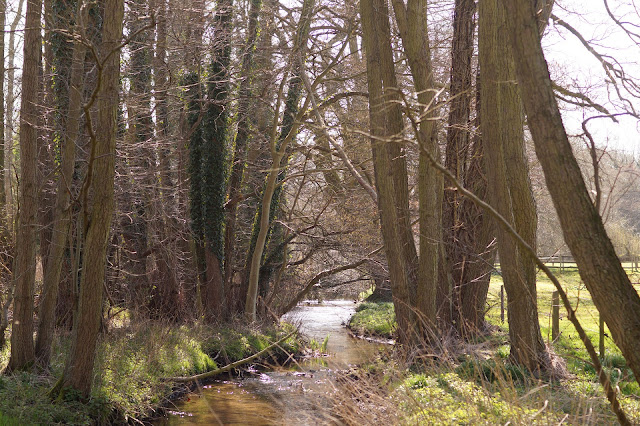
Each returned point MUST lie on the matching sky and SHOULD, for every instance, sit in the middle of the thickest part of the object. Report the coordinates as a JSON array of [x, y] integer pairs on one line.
[[572, 64]]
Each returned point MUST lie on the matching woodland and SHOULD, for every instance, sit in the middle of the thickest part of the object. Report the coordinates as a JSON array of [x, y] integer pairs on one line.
[[202, 165]]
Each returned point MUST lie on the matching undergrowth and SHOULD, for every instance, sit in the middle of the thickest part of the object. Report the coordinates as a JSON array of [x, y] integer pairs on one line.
[[132, 368], [476, 384]]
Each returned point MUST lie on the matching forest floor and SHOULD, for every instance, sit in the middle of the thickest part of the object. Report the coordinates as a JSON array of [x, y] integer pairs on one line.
[[474, 383], [132, 365]]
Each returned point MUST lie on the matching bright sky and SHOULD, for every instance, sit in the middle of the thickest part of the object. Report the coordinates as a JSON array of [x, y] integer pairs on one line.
[[572, 64]]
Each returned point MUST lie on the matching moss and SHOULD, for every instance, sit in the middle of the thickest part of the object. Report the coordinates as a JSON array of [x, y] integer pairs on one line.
[[374, 319]]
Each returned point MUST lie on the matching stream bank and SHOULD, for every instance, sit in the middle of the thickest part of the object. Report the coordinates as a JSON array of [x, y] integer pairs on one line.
[[132, 364], [300, 393]]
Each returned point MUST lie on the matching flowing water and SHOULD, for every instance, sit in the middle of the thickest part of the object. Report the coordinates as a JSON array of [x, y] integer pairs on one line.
[[295, 394]]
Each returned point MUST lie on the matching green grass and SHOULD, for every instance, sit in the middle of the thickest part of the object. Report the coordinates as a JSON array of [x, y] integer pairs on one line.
[[8, 421], [480, 386], [132, 365], [374, 319], [568, 345]]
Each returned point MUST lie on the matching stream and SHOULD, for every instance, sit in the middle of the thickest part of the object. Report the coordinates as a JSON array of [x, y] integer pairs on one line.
[[293, 394]]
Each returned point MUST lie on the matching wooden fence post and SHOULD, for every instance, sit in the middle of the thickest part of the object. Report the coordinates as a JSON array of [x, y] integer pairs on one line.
[[555, 316], [601, 338], [502, 304]]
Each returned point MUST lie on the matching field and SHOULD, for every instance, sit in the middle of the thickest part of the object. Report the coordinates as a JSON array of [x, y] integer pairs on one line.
[[474, 383]]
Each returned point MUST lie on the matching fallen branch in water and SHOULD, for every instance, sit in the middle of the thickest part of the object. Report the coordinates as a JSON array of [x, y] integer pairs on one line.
[[231, 366]]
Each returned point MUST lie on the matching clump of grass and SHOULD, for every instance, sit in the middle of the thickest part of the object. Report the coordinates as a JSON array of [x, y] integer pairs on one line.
[[374, 319], [318, 348], [230, 344], [24, 400]]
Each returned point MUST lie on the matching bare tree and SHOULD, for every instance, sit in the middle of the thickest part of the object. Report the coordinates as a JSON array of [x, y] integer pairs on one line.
[[600, 268], [97, 213], [24, 269]]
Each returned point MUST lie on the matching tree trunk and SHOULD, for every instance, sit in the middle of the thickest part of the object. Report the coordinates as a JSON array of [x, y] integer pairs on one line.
[[240, 148], [3, 198], [215, 131], [412, 23], [166, 300], [97, 217], [62, 212], [9, 129], [510, 194], [600, 269], [479, 257], [455, 227], [390, 164], [22, 349], [279, 153]]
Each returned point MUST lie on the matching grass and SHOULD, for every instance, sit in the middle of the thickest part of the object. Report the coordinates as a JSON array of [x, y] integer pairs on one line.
[[132, 365], [568, 345], [474, 383], [374, 319]]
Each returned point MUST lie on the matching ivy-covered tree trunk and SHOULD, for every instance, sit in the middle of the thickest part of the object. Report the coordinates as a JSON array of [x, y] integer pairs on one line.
[[215, 134]]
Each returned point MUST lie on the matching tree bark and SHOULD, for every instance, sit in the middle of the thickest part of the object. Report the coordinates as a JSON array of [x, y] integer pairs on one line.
[[8, 131], [62, 212], [279, 154], [458, 145], [412, 24], [97, 217], [240, 147], [600, 269], [22, 349], [3, 197], [214, 160], [167, 301], [390, 164], [510, 193]]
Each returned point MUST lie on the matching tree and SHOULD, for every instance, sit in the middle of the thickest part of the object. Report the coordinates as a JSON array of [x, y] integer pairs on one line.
[[600, 268], [412, 23], [62, 212], [389, 160], [3, 197], [468, 258], [510, 189], [279, 148], [96, 216], [166, 300], [238, 163], [215, 135], [22, 349]]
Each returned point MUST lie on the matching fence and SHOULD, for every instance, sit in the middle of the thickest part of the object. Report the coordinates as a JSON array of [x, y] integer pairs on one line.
[[565, 262]]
